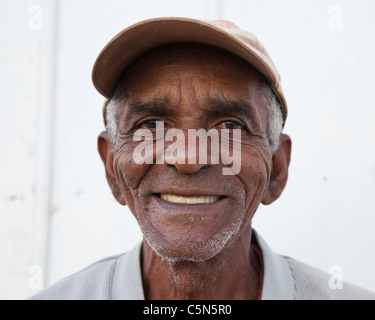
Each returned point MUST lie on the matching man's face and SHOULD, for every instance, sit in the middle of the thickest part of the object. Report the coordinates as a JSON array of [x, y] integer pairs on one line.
[[192, 87]]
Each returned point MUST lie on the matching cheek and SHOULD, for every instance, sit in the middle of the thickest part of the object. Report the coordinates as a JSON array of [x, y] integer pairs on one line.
[[254, 171], [255, 174], [128, 174]]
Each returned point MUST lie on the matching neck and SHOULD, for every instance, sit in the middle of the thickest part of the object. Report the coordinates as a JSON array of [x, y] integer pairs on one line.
[[232, 274]]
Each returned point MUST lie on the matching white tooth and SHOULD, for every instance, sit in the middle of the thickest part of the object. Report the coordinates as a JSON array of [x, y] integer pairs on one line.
[[191, 200]]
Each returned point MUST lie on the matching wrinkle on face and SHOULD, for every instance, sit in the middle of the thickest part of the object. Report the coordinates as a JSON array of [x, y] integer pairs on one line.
[[189, 80]]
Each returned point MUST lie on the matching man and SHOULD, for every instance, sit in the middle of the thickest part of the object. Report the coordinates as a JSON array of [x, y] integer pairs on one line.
[[171, 84]]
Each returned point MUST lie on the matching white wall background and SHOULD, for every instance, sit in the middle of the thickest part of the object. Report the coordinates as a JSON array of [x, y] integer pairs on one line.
[[57, 214]]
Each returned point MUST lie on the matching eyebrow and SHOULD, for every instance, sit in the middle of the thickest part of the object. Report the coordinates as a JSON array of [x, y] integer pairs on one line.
[[151, 106], [232, 107], [214, 107], [239, 108]]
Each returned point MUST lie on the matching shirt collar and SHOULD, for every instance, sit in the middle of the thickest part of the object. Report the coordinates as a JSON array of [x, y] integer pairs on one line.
[[127, 276], [278, 281]]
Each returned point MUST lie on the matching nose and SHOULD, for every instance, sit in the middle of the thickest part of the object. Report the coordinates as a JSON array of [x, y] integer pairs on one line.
[[184, 155], [189, 168]]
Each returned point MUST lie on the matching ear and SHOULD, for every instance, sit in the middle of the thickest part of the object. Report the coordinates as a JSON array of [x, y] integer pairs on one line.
[[279, 173], [106, 154]]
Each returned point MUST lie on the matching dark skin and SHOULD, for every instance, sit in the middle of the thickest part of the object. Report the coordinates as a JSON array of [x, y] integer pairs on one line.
[[196, 87]]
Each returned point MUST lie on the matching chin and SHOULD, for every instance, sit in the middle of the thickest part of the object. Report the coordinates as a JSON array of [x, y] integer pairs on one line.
[[184, 250]]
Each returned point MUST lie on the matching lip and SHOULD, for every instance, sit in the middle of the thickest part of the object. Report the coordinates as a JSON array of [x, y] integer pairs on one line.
[[189, 192], [189, 200], [167, 207]]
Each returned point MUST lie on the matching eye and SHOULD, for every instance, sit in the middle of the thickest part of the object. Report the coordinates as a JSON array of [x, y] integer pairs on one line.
[[229, 124], [149, 124]]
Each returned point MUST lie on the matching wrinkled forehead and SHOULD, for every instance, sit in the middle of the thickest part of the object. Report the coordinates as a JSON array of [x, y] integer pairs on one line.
[[195, 56], [159, 66], [193, 76]]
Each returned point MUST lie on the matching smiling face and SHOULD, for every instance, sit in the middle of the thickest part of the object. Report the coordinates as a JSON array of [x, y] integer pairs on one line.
[[190, 211]]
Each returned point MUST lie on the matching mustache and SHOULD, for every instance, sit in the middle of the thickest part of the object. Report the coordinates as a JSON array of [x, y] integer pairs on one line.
[[206, 179]]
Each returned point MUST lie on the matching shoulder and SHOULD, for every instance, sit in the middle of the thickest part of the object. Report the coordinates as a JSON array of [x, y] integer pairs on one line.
[[93, 283], [311, 283]]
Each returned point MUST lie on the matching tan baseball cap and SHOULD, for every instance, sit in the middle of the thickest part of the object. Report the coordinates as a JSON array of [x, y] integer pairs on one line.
[[141, 37]]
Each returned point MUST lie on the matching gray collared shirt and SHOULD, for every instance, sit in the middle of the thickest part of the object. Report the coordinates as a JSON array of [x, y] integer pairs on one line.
[[119, 278]]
